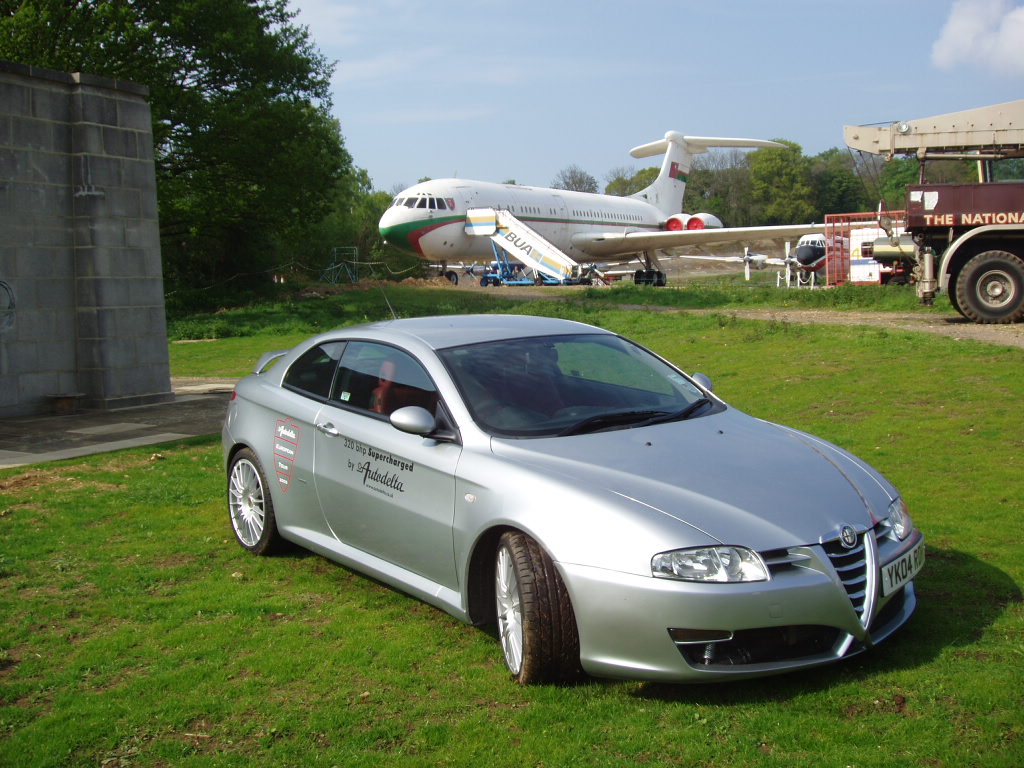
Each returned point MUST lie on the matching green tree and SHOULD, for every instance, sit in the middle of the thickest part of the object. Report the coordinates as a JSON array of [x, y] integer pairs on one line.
[[624, 182], [351, 223], [835, 185], [719, 183], [246, 151], [1008, 170], [780, 184], [893, 179], [575, 178]]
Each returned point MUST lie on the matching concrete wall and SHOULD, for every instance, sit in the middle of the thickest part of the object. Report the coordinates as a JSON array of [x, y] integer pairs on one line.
[[81, 289]]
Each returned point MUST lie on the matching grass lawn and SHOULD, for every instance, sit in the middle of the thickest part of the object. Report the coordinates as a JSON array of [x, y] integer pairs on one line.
[[134, 631]]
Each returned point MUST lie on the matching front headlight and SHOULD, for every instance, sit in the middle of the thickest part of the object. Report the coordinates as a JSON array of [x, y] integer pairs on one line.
[[718, 564], [899, 519]]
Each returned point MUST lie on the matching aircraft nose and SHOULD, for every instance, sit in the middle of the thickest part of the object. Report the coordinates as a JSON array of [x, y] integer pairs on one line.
[[393, 228]]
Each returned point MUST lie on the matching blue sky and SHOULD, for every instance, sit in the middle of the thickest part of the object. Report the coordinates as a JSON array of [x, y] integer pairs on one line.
[[520, 89]]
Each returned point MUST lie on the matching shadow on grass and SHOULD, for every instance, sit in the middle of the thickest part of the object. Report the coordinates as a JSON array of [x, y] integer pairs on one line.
[[958, 598]]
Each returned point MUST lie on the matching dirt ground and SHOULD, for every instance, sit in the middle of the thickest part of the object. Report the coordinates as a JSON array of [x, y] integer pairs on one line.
[[946, 324]]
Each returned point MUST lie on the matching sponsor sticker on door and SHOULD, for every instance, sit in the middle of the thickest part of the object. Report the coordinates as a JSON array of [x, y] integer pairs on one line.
[[286, 447]]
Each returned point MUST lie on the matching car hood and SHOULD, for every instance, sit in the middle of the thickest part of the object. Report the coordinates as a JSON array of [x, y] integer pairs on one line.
[[738, 479]]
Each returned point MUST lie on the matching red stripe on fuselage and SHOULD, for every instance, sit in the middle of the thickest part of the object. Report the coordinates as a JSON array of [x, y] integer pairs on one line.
[[415, 235]]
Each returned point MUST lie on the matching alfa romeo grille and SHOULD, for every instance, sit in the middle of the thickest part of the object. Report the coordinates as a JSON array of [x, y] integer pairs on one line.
[[856, 568]]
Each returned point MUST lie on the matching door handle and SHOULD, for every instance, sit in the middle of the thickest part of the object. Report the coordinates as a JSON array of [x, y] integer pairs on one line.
[[328, 429]]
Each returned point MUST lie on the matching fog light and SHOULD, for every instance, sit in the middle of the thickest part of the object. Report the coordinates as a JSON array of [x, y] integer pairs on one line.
[[697, 636]]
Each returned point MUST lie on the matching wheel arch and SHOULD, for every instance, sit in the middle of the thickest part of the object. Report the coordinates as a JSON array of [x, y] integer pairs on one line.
[[1004, 237], [479, 575], [230, 454]]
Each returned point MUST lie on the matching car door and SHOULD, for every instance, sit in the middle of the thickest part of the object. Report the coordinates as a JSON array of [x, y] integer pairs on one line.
[[385, 492], [288, 447]]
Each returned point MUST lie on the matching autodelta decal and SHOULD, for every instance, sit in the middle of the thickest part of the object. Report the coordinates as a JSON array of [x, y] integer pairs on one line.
[[379, 470], [286, 446]]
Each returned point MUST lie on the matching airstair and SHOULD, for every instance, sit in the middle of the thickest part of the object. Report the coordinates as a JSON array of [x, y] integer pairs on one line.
[[521, 243]]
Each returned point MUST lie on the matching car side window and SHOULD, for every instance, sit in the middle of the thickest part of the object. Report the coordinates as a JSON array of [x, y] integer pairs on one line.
[[313, 372], [381, 379]]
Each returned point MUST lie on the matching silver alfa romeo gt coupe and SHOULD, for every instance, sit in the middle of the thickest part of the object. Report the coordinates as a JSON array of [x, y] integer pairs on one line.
[[606, 511]]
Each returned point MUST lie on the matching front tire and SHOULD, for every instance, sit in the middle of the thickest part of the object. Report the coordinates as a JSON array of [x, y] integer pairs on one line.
[[250, 507], [990, 288], [536, 623]]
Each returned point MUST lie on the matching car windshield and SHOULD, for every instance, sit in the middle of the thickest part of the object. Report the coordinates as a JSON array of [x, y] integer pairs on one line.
[[566, 385]]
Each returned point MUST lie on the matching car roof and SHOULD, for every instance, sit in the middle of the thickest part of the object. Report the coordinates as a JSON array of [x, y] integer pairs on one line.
[[443, 331]]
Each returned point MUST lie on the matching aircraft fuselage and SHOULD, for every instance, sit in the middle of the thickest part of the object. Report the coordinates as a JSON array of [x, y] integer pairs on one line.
[[429, 219]]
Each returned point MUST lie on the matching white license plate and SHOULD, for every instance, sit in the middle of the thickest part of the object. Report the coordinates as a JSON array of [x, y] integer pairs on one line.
[[901, 570]]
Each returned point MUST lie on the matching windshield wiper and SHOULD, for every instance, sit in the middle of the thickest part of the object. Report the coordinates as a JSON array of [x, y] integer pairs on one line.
[[682, 415], [609, 420]]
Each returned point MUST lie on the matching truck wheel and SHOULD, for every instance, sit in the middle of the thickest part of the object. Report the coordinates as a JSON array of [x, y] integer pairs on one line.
[[990, 288]]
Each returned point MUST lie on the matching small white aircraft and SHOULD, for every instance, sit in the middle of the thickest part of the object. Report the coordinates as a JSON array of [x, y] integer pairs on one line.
[[431, 220]]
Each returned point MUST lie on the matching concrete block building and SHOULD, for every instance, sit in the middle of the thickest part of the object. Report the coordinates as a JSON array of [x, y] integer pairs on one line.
[[81, 288]]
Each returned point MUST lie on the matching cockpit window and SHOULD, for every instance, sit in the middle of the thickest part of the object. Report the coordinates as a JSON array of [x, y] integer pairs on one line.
[[433, 203]]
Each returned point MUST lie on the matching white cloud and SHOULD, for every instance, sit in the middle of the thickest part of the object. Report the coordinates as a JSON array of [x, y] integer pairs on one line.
[[988, 34]]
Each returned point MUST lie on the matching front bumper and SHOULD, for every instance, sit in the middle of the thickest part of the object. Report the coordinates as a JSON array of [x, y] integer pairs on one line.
[[802, 617]]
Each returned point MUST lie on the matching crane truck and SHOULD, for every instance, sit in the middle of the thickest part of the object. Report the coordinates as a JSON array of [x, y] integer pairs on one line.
[[969, 237]]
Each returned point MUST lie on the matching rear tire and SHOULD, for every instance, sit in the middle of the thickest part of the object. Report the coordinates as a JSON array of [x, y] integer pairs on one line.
[[990, 288], [536, 623], [250, 507]]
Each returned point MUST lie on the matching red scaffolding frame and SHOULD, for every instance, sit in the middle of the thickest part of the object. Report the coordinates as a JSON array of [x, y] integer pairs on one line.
[[840, 244]]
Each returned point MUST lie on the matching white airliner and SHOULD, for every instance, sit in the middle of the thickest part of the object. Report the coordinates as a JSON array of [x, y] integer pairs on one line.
[[431, 219]]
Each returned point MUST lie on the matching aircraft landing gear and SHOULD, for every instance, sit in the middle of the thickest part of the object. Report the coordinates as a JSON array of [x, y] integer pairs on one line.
[[653, 277]]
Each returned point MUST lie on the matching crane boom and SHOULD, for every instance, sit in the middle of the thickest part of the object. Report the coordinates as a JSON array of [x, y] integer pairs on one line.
[[986, 133]]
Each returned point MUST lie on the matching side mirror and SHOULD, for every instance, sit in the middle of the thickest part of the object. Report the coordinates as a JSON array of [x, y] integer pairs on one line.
[[704, 380], [414, 420]]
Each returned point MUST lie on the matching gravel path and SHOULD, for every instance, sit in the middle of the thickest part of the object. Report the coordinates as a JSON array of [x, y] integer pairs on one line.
[[951, 324]]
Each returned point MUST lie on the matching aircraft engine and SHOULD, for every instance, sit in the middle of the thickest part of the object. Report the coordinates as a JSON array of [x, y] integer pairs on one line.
[[758, 260], [681, 221]]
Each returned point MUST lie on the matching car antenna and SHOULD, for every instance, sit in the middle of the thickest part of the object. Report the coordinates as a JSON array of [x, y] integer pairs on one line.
[[394, 315]]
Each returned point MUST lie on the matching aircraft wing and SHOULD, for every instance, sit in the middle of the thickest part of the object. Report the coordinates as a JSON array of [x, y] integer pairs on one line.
[[604, 244]]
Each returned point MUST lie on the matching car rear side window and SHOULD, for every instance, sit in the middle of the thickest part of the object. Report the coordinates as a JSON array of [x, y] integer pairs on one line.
[[313, 372]]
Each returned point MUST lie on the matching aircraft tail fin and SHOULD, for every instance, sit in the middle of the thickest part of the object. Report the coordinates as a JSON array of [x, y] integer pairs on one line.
[[666, 193]]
